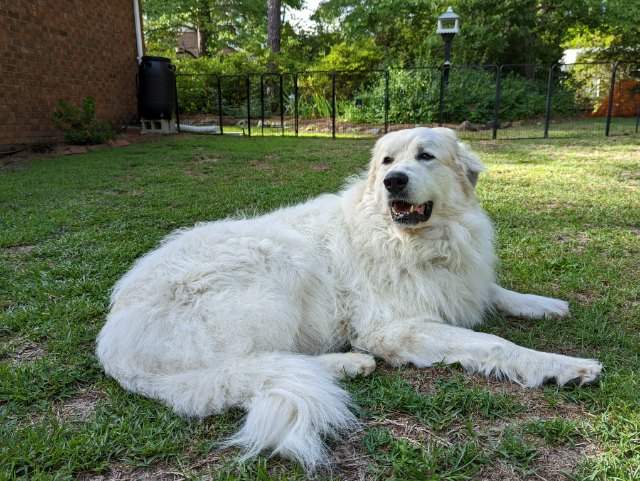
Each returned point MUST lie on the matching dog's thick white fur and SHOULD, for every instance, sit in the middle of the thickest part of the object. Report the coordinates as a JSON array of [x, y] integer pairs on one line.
[[259, 313]]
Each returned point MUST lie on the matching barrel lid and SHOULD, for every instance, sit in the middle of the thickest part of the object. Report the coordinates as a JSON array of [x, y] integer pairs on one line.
[[155, 59]]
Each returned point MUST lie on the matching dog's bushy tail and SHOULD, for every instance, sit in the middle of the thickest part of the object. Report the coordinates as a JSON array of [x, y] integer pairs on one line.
[[292, 401]]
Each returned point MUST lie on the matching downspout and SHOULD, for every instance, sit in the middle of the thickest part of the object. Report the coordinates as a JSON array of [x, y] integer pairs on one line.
[[138, 22]]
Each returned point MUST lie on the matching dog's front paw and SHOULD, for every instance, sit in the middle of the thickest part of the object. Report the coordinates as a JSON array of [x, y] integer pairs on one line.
[[538, 307], [554, 308], [576, 372]]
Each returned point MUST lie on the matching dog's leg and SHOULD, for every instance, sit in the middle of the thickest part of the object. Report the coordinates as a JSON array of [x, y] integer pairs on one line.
[[528, 306], [425, 343]]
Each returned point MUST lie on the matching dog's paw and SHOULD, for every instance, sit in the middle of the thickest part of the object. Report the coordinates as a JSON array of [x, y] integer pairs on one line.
[[350, 363], [555, 308], [575, 372], [539, 307]]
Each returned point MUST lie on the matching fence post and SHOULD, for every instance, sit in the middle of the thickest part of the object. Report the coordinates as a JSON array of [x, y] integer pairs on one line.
[[262, 104], [281, 106], [175, 86], [220, 115], [295, 101], [333, 105], [496, 104], [547, 112], [248, 84], [611, 89], [386, 101], [441, 106]]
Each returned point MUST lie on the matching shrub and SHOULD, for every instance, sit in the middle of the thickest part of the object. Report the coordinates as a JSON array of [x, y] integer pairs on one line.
[[414, 97], [78, 125]]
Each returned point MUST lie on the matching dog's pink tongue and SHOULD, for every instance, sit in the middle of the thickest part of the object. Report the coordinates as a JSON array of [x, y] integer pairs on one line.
[[420, 209]]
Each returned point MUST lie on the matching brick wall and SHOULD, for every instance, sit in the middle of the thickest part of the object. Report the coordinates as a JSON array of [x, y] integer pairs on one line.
[[51, 49]]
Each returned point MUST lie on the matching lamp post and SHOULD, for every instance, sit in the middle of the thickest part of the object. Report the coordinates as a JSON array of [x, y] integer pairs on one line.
[[448, 26]]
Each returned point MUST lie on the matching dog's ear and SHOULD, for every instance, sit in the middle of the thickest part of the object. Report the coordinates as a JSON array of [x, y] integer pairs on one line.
[[470, 162]]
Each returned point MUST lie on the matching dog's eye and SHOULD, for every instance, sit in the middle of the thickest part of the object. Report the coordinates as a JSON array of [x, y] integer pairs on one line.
[[425, 156], [387, 160]]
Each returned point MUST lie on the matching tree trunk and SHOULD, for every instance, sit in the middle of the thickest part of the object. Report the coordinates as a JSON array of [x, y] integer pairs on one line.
[[273, 30], [203, 40]]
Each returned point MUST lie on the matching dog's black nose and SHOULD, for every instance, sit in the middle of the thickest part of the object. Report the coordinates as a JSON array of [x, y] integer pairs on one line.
[[395, 182]]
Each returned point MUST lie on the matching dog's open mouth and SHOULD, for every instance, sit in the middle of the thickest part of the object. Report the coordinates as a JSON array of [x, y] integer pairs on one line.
[[411, 214]]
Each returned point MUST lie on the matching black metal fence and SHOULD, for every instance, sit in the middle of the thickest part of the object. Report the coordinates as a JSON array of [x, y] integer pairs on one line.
[[480, 101]]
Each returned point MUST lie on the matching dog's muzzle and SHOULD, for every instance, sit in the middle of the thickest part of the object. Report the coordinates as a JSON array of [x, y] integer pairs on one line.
[[404, 212], [410, 214]]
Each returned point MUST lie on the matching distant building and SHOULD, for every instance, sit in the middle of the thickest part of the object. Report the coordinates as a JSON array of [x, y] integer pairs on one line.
[[188, 44]]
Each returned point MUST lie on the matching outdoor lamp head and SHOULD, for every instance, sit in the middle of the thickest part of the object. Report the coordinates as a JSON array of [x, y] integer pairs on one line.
[[448, 22]]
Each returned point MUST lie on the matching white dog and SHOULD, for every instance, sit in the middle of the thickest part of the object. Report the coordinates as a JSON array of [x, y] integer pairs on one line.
[[261, 313]]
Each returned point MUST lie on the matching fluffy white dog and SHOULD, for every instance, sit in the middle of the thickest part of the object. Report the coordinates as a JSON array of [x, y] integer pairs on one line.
[[261, 313]]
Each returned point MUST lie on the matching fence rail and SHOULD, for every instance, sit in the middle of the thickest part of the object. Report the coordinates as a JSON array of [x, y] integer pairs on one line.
[[480, 101]]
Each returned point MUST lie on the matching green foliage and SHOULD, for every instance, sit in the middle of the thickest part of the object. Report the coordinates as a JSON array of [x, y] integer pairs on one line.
[[613, 35], [363, 34], [511, 31], [364, 55], [237, 24], [78, 125], [311, 106], [197, 83], [414, 97]]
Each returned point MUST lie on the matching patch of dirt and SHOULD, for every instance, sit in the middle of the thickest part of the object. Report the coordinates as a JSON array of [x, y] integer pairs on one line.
[[261, 165], [192, 173], [579, 241], [81, 406], [320, 166], [407, 427], [551, 464], [20, 250], [350, 460], [123, 472], [24, 351], [205, 159], [553, 460]]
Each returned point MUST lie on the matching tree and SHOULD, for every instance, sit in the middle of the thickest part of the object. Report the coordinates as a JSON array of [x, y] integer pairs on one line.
[[244, 25], [493, 31], [229, 23], [615, 36], [274, 12], [273, 29]]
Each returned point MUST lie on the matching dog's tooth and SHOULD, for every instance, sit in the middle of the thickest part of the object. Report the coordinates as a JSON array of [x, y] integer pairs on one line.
[[411, 209]]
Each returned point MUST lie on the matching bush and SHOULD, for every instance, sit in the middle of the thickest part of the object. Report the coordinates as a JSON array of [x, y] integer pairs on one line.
[[414, 97], [78, 126]]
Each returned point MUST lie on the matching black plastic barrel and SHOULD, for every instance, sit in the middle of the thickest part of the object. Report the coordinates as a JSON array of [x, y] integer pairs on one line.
[[156, 88]]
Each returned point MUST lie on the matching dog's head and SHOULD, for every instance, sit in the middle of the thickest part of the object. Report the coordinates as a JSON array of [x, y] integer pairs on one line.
[[418, 171]]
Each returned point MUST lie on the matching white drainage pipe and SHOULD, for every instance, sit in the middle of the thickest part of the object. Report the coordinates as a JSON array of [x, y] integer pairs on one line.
[[214, 129], [138, 23]]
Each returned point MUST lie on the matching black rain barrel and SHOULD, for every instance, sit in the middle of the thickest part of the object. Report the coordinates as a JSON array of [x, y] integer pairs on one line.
[[156, 88]]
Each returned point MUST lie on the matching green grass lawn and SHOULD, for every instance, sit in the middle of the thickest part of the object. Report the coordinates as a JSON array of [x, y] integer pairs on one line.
[[567, 216]]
